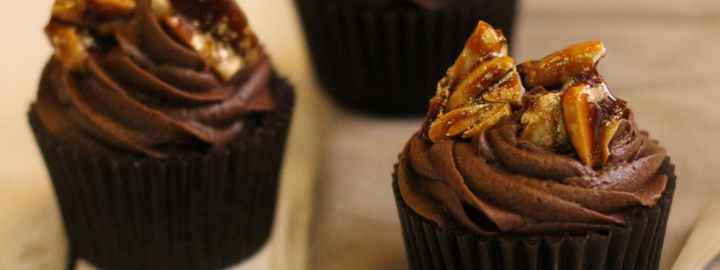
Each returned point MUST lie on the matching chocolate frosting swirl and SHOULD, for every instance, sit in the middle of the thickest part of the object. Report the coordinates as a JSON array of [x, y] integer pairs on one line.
[[511, 185], [142, 90]]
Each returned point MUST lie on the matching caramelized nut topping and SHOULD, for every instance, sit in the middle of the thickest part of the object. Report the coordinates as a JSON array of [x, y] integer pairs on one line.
[[485, 42], [69, 10], [112, 7], [562, 66], [478, 89], [468, 121], [609, 129], [217, 54], [488, 118], [161, 8], [508, 90], [580, 121], [482, 77], [75, 10], [455, 122], [569, 105], [70, 46], [543, 119], [592, 118], [223, 49], [590, 113]]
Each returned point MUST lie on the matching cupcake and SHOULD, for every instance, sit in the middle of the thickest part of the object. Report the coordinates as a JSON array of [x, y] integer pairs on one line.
[[384, 56], [535, 166], [162, 125]]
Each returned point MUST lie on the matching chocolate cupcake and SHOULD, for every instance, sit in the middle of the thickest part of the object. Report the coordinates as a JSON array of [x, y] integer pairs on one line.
[[163, 126], [536, 166], [385, 56]]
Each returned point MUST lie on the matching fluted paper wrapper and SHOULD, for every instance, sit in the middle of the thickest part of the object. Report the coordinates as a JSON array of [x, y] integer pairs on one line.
[[388, 61], [636, 246], [195, 211]]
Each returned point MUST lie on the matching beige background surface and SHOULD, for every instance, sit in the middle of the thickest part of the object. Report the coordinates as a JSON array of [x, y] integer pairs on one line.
[[662, 58]]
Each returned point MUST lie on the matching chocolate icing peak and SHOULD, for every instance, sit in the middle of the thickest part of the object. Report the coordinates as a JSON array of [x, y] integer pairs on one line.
[[140, 89], [531, 199], [506, 179]]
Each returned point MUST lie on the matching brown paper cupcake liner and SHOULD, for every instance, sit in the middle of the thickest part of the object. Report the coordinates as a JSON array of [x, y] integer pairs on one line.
[[388, 61], [636, 246], [194, 211]]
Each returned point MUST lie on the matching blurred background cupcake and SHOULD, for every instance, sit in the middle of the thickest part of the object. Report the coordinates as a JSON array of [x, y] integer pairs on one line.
[[385, 56], [163, 127]]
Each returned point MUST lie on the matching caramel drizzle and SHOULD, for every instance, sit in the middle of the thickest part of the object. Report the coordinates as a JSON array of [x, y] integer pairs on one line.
[[477, 91]]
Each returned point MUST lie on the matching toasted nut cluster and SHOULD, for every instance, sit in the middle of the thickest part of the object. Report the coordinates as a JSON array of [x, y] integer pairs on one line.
[[562, 66], [71, 47], [590, 125], [478, 90], [486, 74], [543, 119], [112, 7], [75, 10], [570, 103], [217, 54], [468, 121], [609, 130], [252, 51], [161, 8], [65, 30], [508, 89], [580, 120], [219, 46], [583, 111], [227, 45], [485, 42], [69, 10]]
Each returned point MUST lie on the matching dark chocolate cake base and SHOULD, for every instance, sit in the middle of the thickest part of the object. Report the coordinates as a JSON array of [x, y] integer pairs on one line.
[[636, 246], [194, 211], [388, 61]]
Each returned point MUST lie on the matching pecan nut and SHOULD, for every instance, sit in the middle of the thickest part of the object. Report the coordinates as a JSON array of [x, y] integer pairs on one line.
[[563, 65], [542, 122], [69, 10], [478, 90], [71, 47], [592, 117], [468, 121], [481, 78], [112, 7], [485, 42], [219, 55], [508, 90], [580, 119]]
